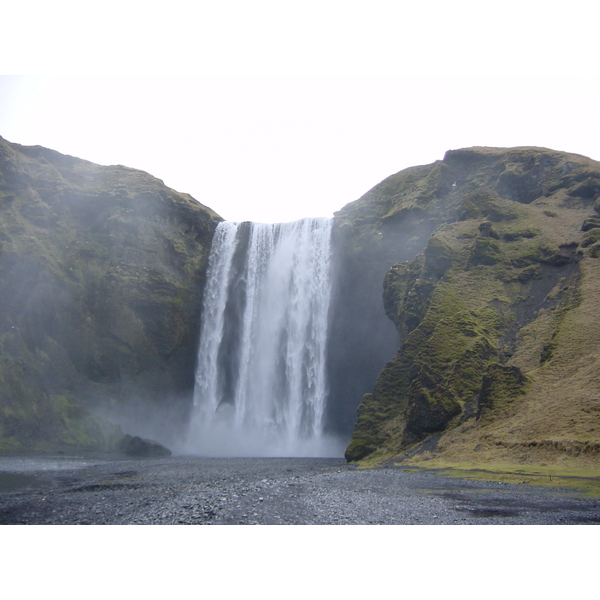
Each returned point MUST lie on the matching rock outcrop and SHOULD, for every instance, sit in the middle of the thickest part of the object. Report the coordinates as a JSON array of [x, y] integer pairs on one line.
[[495, 306], [101, 278], [142, 448]]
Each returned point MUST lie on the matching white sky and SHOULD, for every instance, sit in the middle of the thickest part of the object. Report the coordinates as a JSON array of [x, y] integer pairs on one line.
[[276, 110], [273, 111]]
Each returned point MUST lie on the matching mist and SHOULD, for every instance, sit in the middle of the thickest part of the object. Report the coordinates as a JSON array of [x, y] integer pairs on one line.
[[362, 338], [102, 277]]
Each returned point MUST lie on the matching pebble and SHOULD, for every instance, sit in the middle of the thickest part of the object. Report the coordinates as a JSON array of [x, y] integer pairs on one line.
[[301, 491]]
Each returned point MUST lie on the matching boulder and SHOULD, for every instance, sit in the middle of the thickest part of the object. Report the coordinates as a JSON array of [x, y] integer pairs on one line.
[[137, 446]]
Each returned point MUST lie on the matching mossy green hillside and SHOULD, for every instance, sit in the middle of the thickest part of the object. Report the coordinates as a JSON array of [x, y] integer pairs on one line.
[[101, 273], [484, 308]]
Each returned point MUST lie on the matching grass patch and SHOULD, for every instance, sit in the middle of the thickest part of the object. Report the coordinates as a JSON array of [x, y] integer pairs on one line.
[[580, 479]]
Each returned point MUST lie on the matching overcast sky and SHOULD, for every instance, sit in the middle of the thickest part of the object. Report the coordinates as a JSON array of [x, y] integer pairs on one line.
[[276, 110], [273, 111]]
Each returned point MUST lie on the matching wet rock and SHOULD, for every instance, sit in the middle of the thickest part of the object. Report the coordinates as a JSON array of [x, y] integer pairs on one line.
[[137, 446]]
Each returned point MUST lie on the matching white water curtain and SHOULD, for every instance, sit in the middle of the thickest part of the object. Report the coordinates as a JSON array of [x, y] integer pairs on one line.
[[261, 382]]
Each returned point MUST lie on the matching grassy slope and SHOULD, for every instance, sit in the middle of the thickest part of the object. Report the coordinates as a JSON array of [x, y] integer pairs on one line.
[[506, 288], [101, 269]]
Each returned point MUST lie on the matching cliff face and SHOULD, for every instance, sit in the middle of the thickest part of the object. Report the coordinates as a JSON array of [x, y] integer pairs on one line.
[[495, 308], [490, 263], [101, 278], [362, 338]]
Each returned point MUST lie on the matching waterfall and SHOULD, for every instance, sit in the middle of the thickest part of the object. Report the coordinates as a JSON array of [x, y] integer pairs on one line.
[[260, 379]]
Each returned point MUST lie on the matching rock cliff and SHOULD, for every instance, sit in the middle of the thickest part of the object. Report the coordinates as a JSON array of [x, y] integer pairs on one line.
[[494, 295], [490, 264], [101, 278]]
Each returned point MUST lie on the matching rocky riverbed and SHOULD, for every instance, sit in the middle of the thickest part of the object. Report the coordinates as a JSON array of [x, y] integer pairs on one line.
[[183, 490]]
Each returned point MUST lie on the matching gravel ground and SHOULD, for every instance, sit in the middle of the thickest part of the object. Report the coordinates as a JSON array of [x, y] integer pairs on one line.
[[108, 490]]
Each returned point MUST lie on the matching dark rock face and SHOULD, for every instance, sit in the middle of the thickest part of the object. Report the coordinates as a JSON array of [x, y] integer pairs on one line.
[[101, 278], [491, 245], [137, 446], [361, 338]]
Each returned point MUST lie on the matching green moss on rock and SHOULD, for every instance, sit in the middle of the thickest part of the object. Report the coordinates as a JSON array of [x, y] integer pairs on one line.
[[590, 223], [496, 262], [590, 238], [594, 251], [486, 251], [101, 276], [500, 387]]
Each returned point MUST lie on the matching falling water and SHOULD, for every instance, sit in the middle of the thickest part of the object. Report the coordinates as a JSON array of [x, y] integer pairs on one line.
[[260, 379]]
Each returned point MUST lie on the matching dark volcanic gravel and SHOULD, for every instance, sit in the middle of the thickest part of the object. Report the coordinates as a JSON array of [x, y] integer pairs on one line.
[[101, 490]]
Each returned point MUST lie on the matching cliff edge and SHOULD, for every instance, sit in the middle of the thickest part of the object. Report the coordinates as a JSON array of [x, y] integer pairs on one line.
[[496, 309], [101, 277]]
